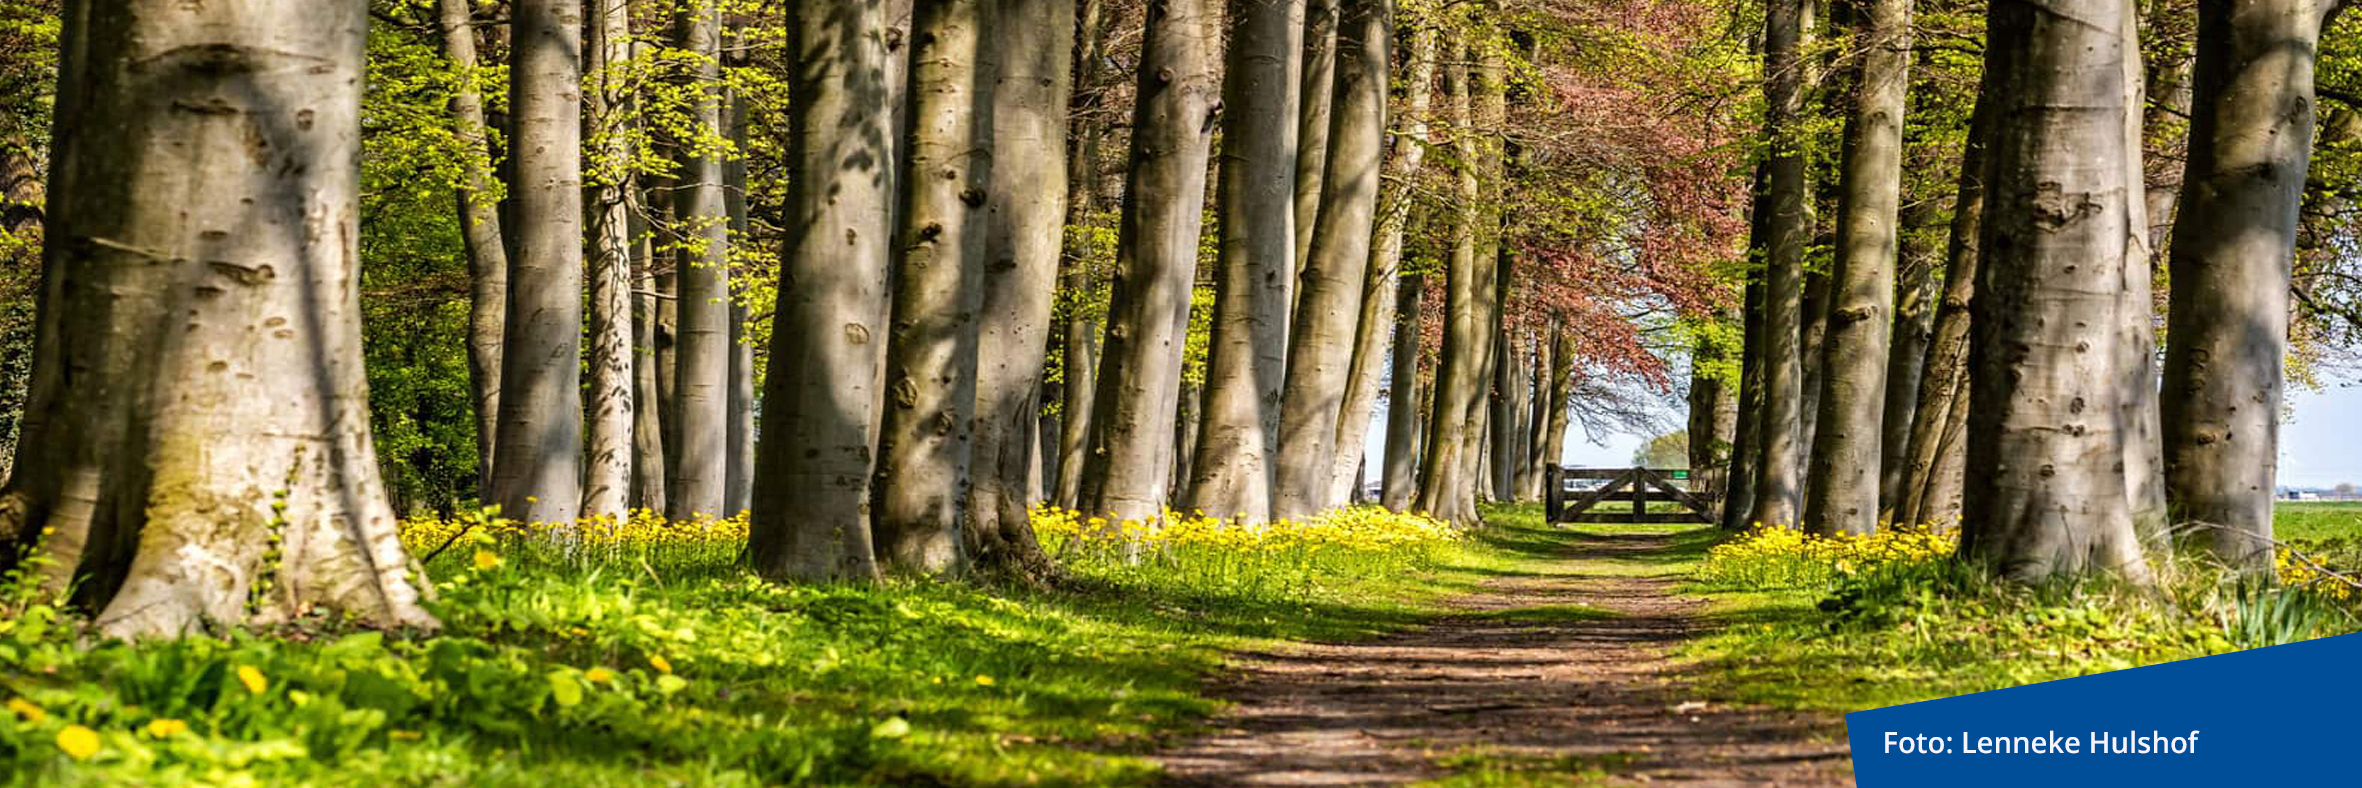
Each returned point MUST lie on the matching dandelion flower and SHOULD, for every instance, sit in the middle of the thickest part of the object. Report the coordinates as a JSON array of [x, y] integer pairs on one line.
[[162, 727], [26, 710], [253, 679], [78, 741]]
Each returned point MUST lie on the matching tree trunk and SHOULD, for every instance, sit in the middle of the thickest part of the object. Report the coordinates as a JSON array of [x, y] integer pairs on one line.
[[1239, 443], [537, 466], [1326, 337], [2251, 138], [1081, 367], [1317, 33], [1129, 465], [1446, 488], [607, 483], [1403, 414], [1529, 483], [1746, 440], [207, 170], [2138, 374], [1713, 413], [1023, 240], [2047, 481], [926, 446], [738, 478], [1915, 309], [479, 234], [1079, 359], [1787, 230], [701, 350], [1502, 415], [1842, 486], [1562, 393], [812, 468], [647, 419], [1400, 473], [1937, 443]]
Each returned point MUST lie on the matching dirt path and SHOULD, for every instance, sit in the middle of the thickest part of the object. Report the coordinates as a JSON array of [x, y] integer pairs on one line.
[[1528, 684]]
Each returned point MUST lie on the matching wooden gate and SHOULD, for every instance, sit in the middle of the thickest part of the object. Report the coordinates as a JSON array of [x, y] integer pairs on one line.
[[1633, 484]]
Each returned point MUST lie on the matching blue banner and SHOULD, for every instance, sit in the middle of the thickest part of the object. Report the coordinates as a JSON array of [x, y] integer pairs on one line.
[[2284, 715]]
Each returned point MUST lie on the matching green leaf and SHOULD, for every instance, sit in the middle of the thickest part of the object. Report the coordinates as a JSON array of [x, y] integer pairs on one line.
[[565, 690], [891, 728], [669, 684]]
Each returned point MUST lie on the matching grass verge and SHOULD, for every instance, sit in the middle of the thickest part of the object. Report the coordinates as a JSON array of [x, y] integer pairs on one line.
[[683, 670]]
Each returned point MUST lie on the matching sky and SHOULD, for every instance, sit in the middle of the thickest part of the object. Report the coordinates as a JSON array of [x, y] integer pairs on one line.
[[2320, 441]]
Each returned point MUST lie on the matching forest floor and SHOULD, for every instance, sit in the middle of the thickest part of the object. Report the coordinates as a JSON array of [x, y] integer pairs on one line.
[[1565, 669]]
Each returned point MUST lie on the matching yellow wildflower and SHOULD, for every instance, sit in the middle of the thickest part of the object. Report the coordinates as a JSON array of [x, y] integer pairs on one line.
[[660, 663], [598, 675], [983, 680], [162, 727], [486, 559], [78, 741], [26, 710], [253, 679]]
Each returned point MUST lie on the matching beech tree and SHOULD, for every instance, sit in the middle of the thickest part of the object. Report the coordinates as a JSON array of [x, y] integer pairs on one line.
[[1326, 338], [1842, 485], [1023, 241], [2050, 491], [699, 451], [1448, 475], [925, 446], [1239, 441], [537, 464], [480, 233], [810, 512], [1787, 230], [207, 169], [1129, 466], [607, 484], [2234, 240]]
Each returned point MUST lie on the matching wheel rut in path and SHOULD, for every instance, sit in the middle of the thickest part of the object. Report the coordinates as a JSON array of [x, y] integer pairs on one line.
[[1519, 672]]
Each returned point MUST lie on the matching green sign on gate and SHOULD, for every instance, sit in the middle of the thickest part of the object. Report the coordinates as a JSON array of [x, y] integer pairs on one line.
[[1680, 475]]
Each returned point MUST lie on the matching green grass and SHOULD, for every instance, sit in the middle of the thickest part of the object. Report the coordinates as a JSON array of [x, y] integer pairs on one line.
[[1932, 629], [546, 674], [2301, 522]]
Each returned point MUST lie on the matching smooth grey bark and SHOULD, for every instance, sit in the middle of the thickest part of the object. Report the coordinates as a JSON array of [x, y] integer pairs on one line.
[[607, 478], [1916, 293], [1403, 414], [1537, 420], [1738, 490], [1489, 115], [699, 471], [926, 446], [810, 515], [2251, 139], [1504, 451], [1815, 306], [203, 248], [1841, 490], [479, 234], [1237, 450], [1562, 393], [2048, 490], [2144, 449], [1317, 31], [1382, 322], [738, 478], [647, 418], [1935, 452], [1079, 343], [537, 465], [1025, 222], [1328, 332], [1128, 468], [1447, 487], [1080, 370], [1787, 231]]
